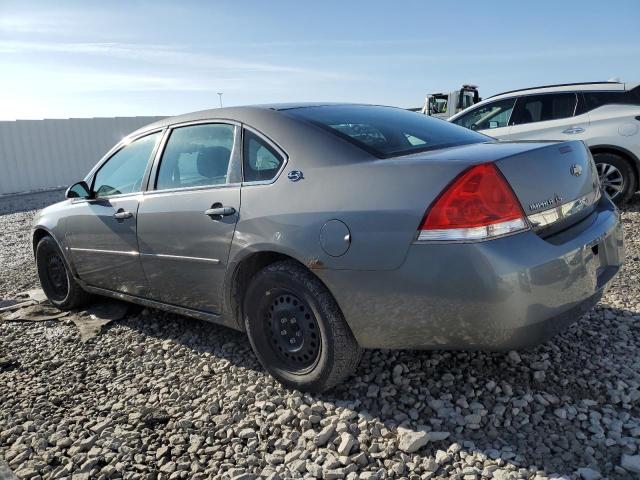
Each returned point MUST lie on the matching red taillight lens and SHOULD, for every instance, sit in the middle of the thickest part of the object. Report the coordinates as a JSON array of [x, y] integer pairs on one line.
[[478, 204]]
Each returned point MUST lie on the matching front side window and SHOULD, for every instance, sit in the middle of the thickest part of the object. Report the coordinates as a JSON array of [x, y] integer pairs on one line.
[[196, 156], [261, 162], [542, 108], [490, 115], [124, 171], [386, 131]]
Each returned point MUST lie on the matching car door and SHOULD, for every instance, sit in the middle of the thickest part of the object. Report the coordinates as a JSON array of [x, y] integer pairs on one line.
[[187, 219], [491, 118], [550, 116], [101, 231]]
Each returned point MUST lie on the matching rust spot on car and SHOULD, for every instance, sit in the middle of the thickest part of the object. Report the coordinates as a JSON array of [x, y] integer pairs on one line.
[[315, 262]]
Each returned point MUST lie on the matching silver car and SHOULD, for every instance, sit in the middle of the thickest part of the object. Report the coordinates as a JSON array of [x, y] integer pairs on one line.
[[323, 229]]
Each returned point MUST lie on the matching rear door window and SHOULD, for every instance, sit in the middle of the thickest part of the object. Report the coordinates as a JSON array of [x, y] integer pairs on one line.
[[541, 108], [196, 156]]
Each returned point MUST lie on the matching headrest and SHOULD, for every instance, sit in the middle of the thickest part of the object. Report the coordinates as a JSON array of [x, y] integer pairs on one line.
[[213, 161]]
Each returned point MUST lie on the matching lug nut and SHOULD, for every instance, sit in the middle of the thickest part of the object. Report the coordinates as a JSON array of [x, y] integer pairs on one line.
[[283, 320], [292, 341], [283, 332]]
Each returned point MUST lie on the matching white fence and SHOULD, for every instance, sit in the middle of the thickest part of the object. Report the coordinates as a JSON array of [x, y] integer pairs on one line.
[[45, 154]]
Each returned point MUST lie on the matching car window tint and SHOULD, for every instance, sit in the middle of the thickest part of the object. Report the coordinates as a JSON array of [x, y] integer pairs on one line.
[[362, 132], [599, 99], [385, 131], [541, 108], [490, 115], [260, 160], [124, 171], [196, 156]]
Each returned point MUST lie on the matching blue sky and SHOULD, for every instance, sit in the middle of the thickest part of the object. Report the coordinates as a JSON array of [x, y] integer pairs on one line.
[[81, 59]]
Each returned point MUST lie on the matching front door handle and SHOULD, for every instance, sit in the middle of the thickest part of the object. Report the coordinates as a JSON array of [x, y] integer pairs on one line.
[[220, 211], [573, 130], [122, 214]]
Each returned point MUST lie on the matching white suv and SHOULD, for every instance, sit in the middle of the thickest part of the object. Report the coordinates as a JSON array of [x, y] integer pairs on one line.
[[605, 115]]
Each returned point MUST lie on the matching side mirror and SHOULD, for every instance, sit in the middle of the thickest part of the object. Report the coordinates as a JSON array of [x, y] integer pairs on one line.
[[78, 190]]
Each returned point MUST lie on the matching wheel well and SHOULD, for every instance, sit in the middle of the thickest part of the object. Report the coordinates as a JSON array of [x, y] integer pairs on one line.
[[628, 156], [243, 274], [38, 235]]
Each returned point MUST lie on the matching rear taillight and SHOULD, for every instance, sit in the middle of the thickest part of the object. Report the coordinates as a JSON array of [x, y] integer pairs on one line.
[[477, 205]]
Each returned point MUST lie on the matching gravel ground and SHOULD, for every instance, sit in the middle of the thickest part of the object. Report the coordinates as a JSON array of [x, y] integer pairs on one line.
[[17, 272], [160, 396]]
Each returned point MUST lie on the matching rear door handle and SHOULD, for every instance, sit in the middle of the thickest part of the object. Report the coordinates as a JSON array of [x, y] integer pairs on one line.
[[573, 130], [121, 214], [220, 211]]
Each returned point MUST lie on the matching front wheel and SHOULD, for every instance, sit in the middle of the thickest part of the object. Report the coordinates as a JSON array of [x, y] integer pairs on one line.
[[297, 330], [617, 177], [56, 279]]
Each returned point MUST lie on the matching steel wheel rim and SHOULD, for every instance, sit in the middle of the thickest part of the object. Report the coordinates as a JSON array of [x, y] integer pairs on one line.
[[292, 331], [611, 179], [57, 275]]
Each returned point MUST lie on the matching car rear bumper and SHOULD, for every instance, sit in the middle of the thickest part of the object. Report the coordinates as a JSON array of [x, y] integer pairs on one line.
[[501, 294]]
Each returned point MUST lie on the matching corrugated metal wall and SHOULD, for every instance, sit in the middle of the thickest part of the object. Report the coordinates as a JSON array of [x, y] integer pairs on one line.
[[43, 154]]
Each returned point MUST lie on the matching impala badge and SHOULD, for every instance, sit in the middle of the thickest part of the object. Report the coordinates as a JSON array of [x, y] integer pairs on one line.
[[551, 202], [576, 170]]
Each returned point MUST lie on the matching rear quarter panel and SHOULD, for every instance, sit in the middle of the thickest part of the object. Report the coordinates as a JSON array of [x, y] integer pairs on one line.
[[615, 125], [382, 201]]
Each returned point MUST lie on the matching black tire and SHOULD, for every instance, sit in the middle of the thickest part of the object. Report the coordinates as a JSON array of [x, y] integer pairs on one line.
[[285, 297], [56, 279], [625, 169]]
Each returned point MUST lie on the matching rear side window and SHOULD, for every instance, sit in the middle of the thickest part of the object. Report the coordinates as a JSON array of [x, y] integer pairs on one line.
[[598, 99], [386, 131], [541, 108], [489, 115], [196, 156], [260, 161]]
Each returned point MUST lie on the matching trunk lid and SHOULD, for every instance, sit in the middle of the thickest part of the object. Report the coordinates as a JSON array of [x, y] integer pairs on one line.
[[556, 183]]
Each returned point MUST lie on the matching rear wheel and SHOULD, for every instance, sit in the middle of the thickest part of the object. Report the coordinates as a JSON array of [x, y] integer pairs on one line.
[[297, 329], [617, 177], [56, 279]]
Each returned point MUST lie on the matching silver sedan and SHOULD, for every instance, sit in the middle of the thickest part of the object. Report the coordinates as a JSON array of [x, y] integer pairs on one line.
[[323, 229]]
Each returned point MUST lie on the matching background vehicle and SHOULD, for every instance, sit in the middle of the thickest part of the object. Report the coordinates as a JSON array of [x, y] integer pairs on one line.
[[359, 227], [605, 115], [444, 105]]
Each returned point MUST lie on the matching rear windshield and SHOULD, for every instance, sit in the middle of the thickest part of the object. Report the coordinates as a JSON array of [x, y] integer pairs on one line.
[[386, 131]]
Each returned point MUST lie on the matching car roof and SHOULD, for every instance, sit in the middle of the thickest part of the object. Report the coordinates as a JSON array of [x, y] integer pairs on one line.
[[568, 87], [249, 114], [562, 87]]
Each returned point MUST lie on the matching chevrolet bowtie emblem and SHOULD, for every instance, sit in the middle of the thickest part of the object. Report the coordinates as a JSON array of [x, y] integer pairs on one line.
[[576, 170]]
